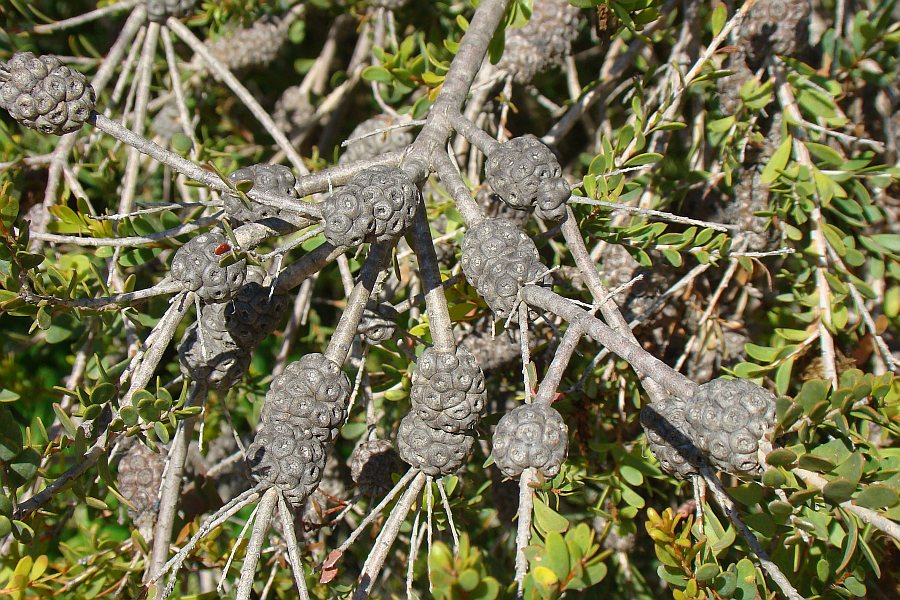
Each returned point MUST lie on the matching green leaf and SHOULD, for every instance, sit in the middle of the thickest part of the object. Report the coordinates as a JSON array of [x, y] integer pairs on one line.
[[877, 496], [7, 396], [375, 73], [557, 555], [839, 490], [778, 161], [547, 519], [781, 457], [707, 571], [10, 436]]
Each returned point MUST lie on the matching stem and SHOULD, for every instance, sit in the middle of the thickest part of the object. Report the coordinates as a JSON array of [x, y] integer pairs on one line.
[[770, 567], [342, 340], [523, 529], [386, 537], [290, 540], [243, 94], [640, 359], [254, 546], [170, 492], [430, 273]]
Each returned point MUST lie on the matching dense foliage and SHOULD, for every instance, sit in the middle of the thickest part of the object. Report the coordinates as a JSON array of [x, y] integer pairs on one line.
[[177, 343]]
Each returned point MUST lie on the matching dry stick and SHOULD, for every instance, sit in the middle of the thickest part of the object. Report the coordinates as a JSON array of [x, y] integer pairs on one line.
[[290, 540], [770, 567], [373, 514], [112, 302], [180, 103], [234, 549], [546, 392], [608, 307], [657, 214], [386, 537], [342, 339], [144, 75], [243, 94], [93, 15], [676, 383], [474, 134], [523, 528], [457, 188], [130, 241], [867, 515], [254, 547], [170, 491], [201, 175], [301, 303], [213, 521], [162, 334], [524, 350], [99, 82], [414, 542], [446, 502], [435, 302]]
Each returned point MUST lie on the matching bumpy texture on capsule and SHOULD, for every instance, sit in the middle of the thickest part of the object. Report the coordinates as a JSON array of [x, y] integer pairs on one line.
[[448, 390], [378, 144], [140, 475], [196, 265], [553, 194], [276, 179], [543, 42], [669, 438], [774, 27], [371, 466], [378, 323], [532, 435], [376, 206], [250, 316], [293, 111], [41, 93], [218, 362], [284, 457], [251, 47], [727, 419], [160, 10], [311, 396], [498, 259], [517, 168], [432, 451]]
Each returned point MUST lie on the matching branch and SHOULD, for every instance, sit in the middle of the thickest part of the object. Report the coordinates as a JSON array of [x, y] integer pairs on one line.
[[254, 546]]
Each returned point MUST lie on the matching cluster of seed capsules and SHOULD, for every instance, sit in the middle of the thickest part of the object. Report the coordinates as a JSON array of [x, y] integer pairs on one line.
[[160, 10], [447, 397], [525, 174], [531, 436], [304, 409], [721, 426]]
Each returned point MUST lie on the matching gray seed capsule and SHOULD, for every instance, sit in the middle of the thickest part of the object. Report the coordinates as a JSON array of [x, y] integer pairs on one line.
[[669, 437], [160, 10], [293, 111], [498, 259], [311, 396], [432, 451], [371, 466], [283, 456], [727, 419], [774, 27], [448, 390], [516, 170], [377, 205], [543, 42], [251, 47], [250, 316], [217, 362], [275, 179], [532, 435], [378, 323], [196, 265], [378, 144], [43, 94], [140, 475]]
